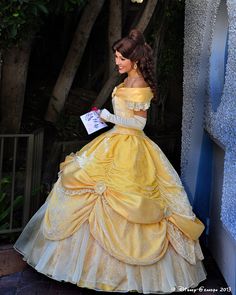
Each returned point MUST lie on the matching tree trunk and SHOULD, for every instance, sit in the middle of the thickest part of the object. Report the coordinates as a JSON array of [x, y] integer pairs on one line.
[[111, 82], [106, 90], [73, 59], [147, 14], [114, 30], [14, 76]]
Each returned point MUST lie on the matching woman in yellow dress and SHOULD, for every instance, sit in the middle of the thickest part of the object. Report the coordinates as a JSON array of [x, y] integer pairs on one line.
[[118, 217]]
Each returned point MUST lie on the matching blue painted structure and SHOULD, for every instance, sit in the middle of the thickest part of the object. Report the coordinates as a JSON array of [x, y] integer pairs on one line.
[[208, 157]]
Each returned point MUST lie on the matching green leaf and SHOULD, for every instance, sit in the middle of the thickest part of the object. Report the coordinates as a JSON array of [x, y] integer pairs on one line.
[[13, 32], [42, 7], [5, 180], [35, 11], [2, 196], [18, 201], [4, 214], [4, 226]]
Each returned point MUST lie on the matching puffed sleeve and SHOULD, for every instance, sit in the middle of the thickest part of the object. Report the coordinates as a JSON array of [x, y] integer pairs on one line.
[[138, 106], [138, 98]]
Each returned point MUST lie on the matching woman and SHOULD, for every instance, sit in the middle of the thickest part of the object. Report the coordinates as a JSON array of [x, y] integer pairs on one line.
[[118, 218]]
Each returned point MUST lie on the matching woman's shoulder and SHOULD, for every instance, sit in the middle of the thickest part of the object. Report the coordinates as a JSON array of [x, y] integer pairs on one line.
[[139, 83], [140, 92]]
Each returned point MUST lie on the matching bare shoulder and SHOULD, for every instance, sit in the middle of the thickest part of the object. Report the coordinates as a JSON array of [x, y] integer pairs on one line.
[[140, 83]]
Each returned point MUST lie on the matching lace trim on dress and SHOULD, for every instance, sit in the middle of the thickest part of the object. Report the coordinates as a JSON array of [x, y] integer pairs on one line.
[[74, 192], [137, 106], [99, 188], [188, 249]]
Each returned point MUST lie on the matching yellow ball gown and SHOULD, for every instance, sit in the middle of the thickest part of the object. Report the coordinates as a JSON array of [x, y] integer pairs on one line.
[[118, 217]]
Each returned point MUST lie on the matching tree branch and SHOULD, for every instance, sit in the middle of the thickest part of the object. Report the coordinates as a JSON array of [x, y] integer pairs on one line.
[[73, 59]]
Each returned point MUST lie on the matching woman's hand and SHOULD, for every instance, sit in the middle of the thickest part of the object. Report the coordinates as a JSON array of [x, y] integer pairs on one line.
[[95, 109], [104, 115]]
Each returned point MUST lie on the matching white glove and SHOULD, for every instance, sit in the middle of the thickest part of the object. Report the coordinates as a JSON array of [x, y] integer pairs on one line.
[[136, 122]]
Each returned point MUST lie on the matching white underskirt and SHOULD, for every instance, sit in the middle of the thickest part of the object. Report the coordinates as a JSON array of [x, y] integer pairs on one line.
[[79, 259]]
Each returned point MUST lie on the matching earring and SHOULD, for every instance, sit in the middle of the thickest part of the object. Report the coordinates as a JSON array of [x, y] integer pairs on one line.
[[135, 66]]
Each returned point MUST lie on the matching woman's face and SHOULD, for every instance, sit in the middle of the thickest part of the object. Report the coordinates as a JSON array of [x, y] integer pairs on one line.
[[124, 65]]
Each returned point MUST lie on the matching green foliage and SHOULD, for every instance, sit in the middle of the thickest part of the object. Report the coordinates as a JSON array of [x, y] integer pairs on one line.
[[20, 19], [5, 202], [68, 127], [62, 6]]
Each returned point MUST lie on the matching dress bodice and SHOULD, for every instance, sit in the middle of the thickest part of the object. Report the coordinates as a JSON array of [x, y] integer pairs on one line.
[[127, 100]]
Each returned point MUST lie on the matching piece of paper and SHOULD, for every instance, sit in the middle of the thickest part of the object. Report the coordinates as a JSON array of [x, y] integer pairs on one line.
[[92, 122]]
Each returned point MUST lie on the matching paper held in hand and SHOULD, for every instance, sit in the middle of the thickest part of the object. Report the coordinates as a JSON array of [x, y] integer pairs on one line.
[[92, 122]]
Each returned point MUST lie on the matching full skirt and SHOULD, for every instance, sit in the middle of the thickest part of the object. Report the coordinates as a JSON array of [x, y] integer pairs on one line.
[[118, 219]]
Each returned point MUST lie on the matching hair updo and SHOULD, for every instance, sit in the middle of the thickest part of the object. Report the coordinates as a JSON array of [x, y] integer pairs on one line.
[[135, 48]]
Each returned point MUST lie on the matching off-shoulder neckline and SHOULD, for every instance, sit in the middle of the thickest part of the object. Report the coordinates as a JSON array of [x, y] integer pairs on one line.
[[122, 83]]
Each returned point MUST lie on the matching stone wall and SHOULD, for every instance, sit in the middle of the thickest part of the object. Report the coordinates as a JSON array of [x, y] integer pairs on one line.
[[208, 158]]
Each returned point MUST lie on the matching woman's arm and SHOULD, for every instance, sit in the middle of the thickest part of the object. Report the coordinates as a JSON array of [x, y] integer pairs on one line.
[[136, 122], [141, 113]]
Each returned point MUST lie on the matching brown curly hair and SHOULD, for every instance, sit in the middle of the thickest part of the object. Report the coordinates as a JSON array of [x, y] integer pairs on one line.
[[135, 48]]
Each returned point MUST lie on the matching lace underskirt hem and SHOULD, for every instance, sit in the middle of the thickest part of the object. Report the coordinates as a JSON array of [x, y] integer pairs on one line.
[[79, 259]]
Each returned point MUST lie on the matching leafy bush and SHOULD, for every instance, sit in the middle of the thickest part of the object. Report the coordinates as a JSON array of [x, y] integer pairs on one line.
[[5, 204], [19, 19]]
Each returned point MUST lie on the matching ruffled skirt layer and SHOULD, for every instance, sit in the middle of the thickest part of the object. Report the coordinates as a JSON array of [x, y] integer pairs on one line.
[[79, 259]]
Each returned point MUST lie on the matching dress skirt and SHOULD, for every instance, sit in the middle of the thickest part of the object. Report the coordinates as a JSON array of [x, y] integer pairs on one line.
[[117, 219]]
